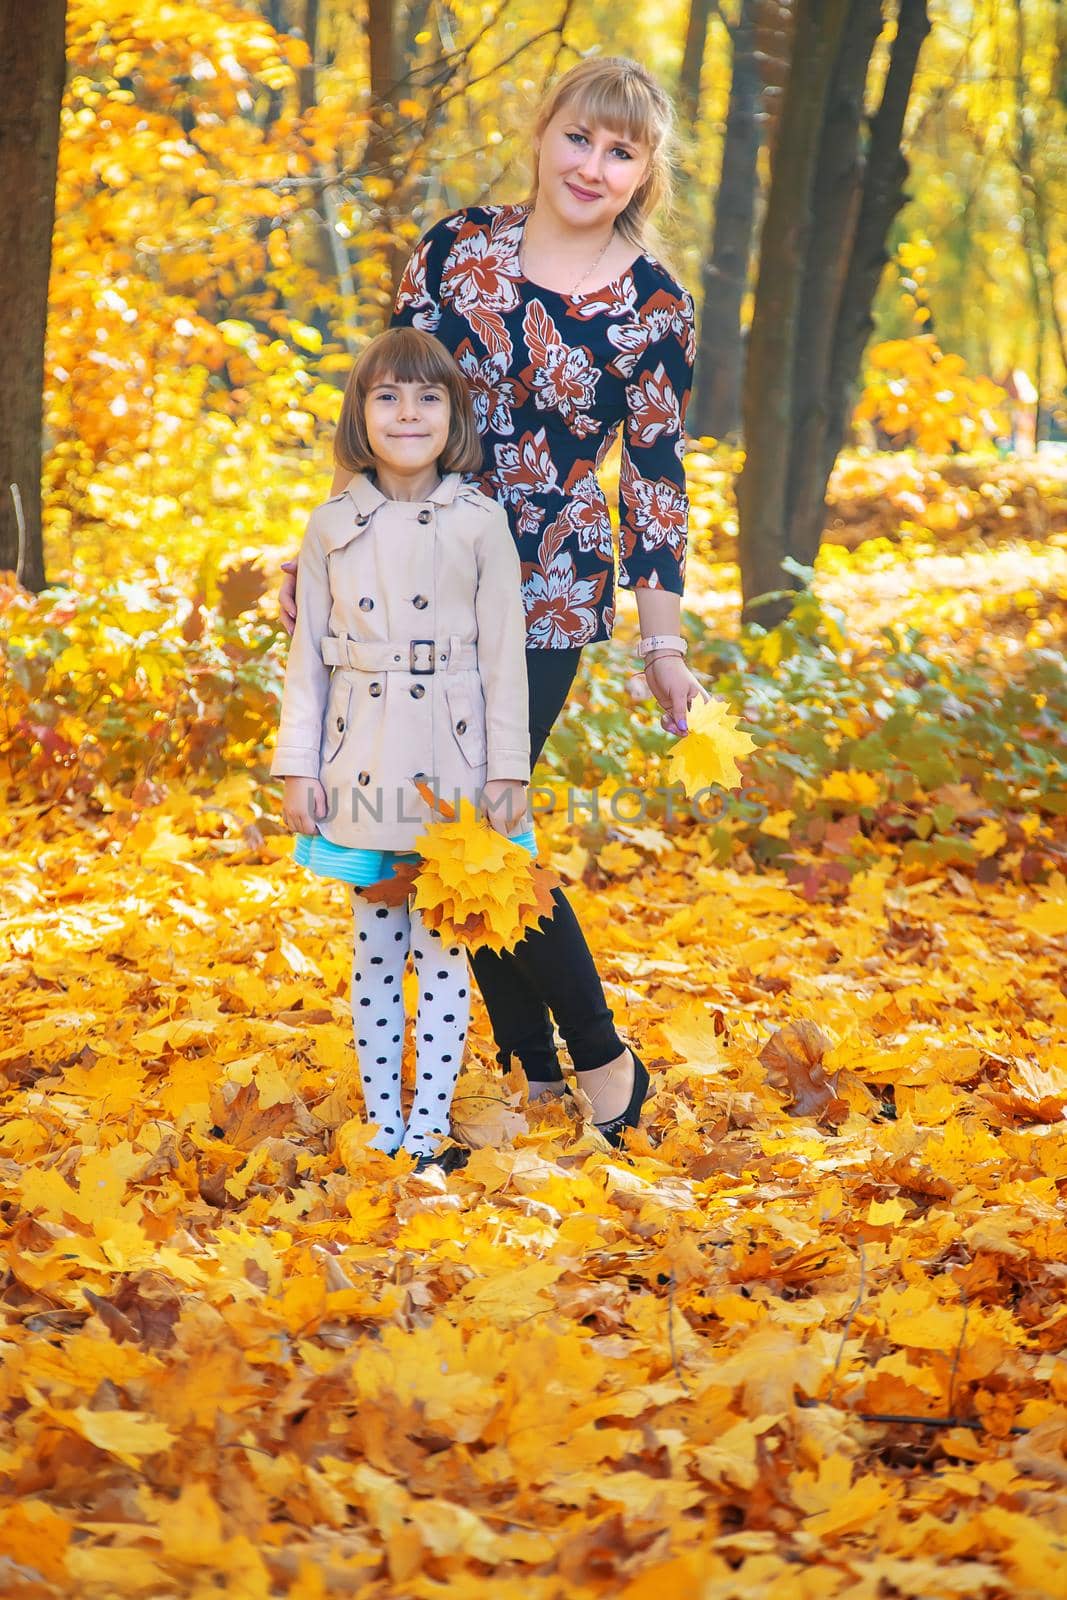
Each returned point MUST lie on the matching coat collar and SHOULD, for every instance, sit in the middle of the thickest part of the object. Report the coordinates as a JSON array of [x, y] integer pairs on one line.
[[367, 497], [363, 494]]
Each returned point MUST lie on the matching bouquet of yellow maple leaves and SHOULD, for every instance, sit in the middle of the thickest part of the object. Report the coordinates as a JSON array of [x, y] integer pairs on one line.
[[473, 885], [480, 889]]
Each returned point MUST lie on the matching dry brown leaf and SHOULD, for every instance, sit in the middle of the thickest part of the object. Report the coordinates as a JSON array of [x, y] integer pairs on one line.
[[793, 1058]]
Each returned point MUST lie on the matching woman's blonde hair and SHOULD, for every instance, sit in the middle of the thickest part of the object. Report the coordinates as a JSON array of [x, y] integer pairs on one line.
[[407, 355], [617, 93]]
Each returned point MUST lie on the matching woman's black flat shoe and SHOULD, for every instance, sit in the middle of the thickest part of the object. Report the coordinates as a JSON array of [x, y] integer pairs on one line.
[[614, 1130]]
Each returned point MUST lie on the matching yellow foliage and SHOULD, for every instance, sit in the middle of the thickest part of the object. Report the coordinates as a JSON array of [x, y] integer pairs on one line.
[[926, 395]]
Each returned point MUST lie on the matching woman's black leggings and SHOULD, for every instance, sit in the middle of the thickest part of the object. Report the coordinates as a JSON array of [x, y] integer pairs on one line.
[[550, 973]]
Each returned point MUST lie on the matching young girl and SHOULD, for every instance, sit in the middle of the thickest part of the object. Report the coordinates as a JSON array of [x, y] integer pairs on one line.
[[407, 662]]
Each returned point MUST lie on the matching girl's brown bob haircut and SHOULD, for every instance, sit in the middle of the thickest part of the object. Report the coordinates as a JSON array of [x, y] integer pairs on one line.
[[407, 355]]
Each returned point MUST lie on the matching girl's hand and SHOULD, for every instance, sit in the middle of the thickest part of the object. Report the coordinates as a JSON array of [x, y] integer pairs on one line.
[[304, 800], [287, 599], [675, 687], [504, 804]]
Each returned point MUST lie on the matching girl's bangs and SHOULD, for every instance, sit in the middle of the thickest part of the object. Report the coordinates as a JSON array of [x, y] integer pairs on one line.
[[403, 356]]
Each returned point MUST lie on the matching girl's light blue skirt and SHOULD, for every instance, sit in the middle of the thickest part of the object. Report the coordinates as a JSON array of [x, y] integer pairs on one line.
[[364, 867]]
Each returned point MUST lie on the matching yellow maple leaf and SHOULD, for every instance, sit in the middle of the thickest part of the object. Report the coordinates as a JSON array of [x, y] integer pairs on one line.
[[989, 838], [855, 788], [618, 860], [33, 1535], [858, 1507], [709, 752], [1049, 916], [776, 826], [191, 1527], [129, 1435]]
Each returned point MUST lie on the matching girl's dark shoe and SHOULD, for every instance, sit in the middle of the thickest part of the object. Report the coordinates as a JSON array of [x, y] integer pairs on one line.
[[449, 1160], [614, 1130]]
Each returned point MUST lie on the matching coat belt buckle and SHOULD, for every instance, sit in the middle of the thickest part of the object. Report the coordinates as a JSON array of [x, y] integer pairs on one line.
[[422, 672]]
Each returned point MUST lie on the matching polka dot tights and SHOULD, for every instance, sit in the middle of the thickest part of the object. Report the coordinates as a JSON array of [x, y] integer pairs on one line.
[[382, 936]]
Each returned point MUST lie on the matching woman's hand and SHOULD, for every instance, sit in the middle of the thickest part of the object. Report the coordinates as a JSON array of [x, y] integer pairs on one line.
[[304, 799], [287, 599], [504, 804], [675, 687]]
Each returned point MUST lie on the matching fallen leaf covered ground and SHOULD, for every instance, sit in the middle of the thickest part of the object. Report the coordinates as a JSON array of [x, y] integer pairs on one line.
[[805, 1337]]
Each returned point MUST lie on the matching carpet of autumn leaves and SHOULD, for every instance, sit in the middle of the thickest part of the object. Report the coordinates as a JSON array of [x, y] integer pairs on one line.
[[805, 1337]]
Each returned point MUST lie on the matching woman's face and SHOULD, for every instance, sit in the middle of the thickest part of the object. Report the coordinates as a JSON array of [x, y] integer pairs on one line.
[[407, 424], [587, 173]]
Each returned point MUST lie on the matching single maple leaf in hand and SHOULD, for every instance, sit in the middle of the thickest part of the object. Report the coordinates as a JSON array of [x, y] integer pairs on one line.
[[709, 752]]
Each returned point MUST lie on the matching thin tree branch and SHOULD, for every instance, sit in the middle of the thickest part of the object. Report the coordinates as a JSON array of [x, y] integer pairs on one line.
[[848, 1320]]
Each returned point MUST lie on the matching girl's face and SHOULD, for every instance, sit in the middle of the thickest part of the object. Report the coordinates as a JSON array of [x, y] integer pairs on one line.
[[586, 172], [407, 424]]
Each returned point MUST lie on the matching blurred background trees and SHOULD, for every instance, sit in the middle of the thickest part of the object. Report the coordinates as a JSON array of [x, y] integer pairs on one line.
[[239, 185]]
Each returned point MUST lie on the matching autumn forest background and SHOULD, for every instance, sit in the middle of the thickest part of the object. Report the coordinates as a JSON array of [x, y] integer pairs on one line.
[[805, 1336]]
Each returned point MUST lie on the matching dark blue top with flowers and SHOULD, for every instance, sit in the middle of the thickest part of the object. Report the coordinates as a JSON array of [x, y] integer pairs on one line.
[[553, 377]]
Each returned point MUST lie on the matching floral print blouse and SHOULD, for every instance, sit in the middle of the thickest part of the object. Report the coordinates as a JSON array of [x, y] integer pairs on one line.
[[553, 377]]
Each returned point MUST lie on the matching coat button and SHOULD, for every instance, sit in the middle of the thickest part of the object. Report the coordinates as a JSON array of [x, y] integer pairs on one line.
[[420, 602], [461, 727], [425, 516], [375, 689], [366, 604], [361, 520], [364, 778], [340, 724], [418, 690]]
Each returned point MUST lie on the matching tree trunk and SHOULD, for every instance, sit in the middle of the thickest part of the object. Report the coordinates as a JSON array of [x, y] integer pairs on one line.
[[883, 195], [1036, 231], [761, 41], [32, 73], [716, 407], [835, 208], [696, 33], [768, 384], [382, 152], [307, 88], [384, 72]]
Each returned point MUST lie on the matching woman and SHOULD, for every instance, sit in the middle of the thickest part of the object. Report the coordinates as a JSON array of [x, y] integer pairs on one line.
[[566, 328]]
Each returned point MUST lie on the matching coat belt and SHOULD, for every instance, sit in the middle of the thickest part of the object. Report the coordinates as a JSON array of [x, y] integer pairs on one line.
[[418, 656]]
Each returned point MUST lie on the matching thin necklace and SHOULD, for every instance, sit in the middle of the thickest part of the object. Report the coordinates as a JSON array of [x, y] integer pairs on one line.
[[590, 269]]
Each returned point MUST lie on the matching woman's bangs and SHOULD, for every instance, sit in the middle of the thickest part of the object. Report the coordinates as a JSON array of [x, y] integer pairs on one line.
[[620, 104]]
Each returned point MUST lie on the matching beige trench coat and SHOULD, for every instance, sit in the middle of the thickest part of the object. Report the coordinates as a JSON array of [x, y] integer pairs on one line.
[[407, 660]]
